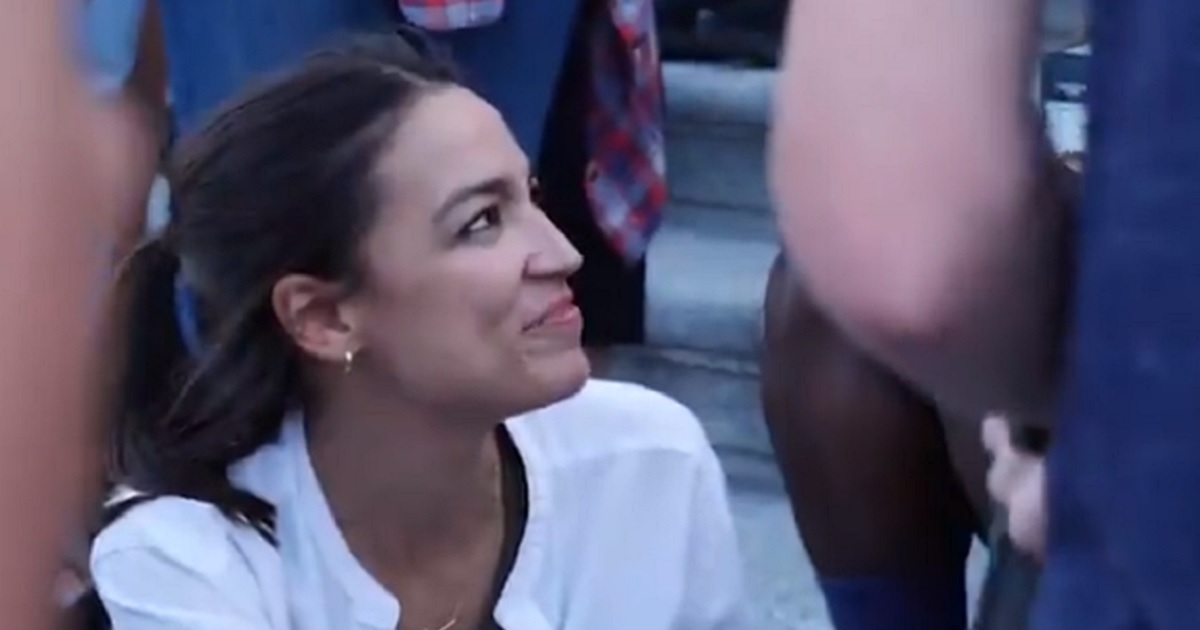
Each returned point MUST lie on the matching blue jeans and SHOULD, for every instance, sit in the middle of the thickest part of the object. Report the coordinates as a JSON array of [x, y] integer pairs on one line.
[[1124, 472], [515, 64], [109, 31], [215, 47]]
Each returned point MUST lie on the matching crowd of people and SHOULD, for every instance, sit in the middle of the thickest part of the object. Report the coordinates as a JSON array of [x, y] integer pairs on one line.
[[345, 386]]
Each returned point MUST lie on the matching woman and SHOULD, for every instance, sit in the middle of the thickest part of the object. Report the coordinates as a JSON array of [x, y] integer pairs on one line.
[[535, 62], [54, 232], [375, 295]]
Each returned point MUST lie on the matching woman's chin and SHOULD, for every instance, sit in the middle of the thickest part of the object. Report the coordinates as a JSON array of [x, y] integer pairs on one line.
[[562, 375]]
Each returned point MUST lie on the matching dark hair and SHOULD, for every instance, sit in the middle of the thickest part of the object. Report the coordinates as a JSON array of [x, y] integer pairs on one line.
[[278, 182]]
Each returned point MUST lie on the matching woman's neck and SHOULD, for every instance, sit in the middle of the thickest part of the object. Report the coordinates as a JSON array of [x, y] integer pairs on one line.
[[403, 484]]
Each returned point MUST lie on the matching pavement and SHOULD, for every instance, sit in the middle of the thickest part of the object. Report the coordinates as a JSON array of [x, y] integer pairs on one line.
[[780, 586]]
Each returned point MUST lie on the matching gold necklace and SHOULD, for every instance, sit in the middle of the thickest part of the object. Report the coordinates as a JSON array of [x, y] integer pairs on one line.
[[453, 619], [499, 497]]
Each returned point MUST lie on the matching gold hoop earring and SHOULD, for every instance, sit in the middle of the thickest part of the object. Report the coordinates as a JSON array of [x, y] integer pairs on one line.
[[348, 361]]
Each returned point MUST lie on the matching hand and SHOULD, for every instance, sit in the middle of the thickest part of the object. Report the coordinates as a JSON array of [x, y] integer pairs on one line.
[[1017, 481]]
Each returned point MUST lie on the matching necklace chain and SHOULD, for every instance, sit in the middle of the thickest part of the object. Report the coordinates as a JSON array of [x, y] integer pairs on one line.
[[499, 497], [453, 619]]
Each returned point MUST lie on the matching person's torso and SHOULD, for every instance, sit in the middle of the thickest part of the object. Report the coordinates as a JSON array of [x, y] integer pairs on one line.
[[610, 476], [216, 47]]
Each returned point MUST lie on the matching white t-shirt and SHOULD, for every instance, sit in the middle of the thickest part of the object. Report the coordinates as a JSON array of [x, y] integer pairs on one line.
[[628, 527]]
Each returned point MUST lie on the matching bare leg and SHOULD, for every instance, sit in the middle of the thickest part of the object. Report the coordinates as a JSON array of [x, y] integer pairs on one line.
[[864, 459]]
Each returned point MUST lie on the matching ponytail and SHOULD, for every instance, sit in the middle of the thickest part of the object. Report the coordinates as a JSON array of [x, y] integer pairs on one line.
[[154, 350], [277, 182], [185, 414]]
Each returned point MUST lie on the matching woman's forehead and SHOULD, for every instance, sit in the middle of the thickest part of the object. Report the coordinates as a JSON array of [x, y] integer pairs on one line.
[[450, 140]]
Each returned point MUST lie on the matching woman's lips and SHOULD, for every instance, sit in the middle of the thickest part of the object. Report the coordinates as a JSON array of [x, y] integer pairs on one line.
[[561, 313]]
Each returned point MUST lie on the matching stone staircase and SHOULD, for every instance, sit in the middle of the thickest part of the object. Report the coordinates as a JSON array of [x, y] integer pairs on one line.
[[707, 267], [706, 276]]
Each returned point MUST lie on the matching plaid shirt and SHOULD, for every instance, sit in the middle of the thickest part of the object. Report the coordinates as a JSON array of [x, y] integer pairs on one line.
[[451, 15], [626, 180], [626, 177]]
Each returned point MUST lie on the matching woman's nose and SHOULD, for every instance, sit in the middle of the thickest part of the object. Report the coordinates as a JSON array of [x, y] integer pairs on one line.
[[553, 254]]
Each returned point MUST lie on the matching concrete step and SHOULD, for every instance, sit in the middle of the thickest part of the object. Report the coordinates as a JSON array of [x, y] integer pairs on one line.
[[725, 389], [707, 266], [716, 133], [706, 274], [710, 92]]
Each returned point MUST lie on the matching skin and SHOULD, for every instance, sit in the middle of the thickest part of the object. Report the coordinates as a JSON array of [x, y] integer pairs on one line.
[[873, 469], [460, 268], [143, 99], [906, 193], [1017, 481], [50, 128], [891, 506], [910, 208]]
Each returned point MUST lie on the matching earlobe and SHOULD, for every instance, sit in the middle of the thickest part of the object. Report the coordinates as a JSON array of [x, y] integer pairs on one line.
[[310, 312]]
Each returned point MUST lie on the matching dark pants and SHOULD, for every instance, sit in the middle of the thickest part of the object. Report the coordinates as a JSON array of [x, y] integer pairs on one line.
[[610, 293], [1124, 547]]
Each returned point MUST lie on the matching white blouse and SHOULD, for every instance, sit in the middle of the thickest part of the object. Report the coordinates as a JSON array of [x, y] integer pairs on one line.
[[628, 527]]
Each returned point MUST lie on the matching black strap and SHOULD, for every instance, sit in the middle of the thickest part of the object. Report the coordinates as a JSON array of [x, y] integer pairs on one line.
[[514, 496]]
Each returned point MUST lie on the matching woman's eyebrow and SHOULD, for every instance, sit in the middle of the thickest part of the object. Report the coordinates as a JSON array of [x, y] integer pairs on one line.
[[495, 186]]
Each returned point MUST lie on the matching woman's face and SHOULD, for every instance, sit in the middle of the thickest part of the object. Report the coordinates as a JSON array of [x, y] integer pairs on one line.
[[466, 301]]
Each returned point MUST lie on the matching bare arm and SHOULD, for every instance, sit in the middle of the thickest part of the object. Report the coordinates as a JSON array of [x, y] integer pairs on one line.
[[62, 161], [903, 163]]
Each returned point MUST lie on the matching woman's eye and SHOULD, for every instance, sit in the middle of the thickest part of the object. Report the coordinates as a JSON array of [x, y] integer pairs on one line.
[[483, 220]]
